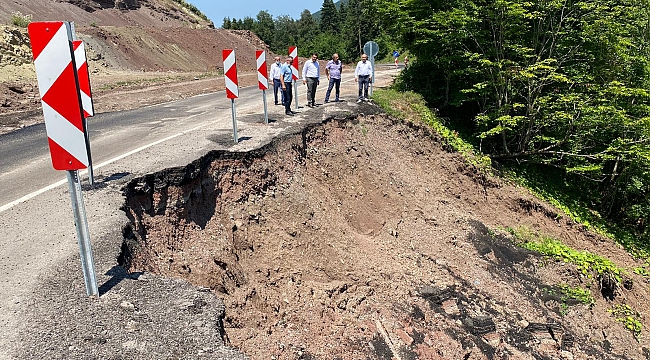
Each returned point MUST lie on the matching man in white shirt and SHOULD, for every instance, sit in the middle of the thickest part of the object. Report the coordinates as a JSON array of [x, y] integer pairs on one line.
[[311, 78], [277, 81], [363, 75]]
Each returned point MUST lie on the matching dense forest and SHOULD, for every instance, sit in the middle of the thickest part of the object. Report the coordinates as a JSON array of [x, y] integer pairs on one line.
[[557, 91], [343, 29]]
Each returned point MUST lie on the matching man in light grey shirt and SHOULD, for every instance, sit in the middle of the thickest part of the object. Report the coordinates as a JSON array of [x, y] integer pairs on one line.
[[311, 77], [363, 75], [277, 81]]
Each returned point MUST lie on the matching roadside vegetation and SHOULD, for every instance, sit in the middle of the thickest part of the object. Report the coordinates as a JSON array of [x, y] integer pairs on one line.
[[555, 94], [20, 20]]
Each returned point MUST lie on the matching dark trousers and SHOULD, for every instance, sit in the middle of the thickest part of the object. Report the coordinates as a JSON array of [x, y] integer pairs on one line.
[[312, 83], [287, 96], [363, 86], [277, 84], [333, 83]]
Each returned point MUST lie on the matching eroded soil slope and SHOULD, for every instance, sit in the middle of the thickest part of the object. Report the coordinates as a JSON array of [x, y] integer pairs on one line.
[[364, 239]]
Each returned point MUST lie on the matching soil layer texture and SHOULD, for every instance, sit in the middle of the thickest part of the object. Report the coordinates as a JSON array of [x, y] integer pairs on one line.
[[364, 238]]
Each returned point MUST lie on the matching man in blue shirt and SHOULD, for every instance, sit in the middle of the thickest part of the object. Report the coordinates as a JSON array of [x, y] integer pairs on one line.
[[285, 74], [333, 71], [311, 78]]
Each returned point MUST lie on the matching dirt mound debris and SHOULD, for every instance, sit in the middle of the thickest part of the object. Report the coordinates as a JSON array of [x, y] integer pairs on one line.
[[363, 239]]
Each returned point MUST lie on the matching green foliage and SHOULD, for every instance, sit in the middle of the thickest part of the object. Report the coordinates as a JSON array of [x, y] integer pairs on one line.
[[629, 317], [193, 9], [329, 18], [410, 105], [577, 293], [586, 262], [569, 294], [20, 20], [554, 84]]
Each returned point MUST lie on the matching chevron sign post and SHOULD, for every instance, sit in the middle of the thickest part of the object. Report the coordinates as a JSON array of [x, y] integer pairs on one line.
[[262, 80], [59, 90], [232, 88], [293, 52], [83, 76]]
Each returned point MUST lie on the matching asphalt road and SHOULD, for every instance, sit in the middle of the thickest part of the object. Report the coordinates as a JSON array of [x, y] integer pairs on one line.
[[36, 225]]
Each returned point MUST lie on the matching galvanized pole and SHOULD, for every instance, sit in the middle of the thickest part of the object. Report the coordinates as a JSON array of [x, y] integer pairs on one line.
[[83, 234], [91, 177], [295, 93], [372, 63], [266, 114], [234, 121]]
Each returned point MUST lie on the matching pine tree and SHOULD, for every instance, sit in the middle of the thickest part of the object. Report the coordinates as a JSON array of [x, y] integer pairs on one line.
[[329, 20]]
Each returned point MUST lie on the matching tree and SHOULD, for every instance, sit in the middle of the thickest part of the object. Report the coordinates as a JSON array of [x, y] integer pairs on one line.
[[329, 20], [307, 31], [264, 27], [555, 83], [226, 23], [286, 34], [248, 23]]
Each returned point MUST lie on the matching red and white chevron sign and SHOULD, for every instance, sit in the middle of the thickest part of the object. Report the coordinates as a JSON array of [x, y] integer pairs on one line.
[[84, 77], [293, 52], [57, 84], [262, 81], [230, 72]]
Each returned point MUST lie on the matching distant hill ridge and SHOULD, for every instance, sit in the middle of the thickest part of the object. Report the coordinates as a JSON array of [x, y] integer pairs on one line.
[[148, 13]]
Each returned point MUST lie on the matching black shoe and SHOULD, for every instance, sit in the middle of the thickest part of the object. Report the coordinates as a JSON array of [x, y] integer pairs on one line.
[[310, 105], [326, 101], [290, 113]]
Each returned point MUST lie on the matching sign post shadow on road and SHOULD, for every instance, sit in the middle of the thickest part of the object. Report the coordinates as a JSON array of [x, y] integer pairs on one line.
[[371, 49]]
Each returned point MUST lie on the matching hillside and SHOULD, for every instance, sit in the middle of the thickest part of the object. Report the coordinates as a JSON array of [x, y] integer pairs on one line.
[[130, 44], [146, 13]]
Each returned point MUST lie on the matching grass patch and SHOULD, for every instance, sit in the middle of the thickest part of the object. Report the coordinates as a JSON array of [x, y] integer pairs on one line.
[[587, 263], [571, 296], [411, 106], [629, 317], [20, 20], [193, 9]]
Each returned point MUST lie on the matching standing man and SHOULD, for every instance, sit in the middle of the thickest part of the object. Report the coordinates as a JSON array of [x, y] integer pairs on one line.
[[277, 80], [311, 78], [363, 75], [286, 75], [333, 71]]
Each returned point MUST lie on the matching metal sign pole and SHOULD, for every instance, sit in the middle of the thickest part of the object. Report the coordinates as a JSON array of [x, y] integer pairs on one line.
[[234, 121], [91, 177], [295, 93], [83, 234], [372, 63], [266, 114]]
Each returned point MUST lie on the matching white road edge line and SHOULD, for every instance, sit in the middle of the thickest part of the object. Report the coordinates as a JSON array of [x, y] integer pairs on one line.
[[83, 172]]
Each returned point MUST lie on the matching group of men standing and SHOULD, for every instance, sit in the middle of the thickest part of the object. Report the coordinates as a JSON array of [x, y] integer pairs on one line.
[[281, 74]]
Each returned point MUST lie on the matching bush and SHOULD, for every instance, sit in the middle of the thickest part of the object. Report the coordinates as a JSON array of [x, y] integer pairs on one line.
[[20, 20]]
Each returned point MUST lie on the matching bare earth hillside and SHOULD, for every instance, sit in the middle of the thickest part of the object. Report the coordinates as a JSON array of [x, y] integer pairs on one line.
[[364, 239]]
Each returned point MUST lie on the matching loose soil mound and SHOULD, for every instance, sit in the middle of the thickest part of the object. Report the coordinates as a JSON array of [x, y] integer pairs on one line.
[[363, 239]]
